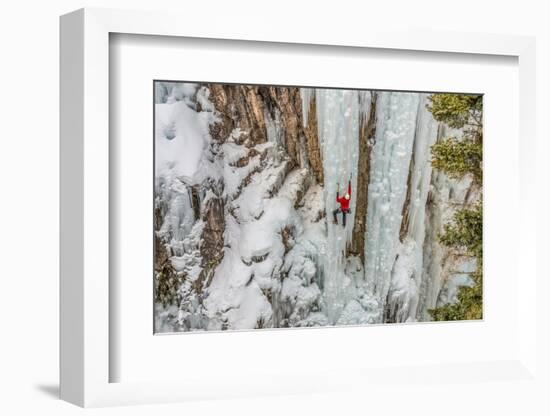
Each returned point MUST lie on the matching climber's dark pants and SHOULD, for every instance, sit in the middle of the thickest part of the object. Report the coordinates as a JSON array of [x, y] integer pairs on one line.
[[343, 211]]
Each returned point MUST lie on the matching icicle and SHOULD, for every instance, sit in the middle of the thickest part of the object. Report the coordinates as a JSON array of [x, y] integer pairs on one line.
[[390, 159], [273, 127], [365, 102], [407, 276]]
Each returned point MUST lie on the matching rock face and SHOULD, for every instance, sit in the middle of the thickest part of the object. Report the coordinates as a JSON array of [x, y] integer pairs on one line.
[[406, 212], [167, 281], [246, 117], [211, 248], [238, 106], [252, 108], [367, 134], [312, 142], [443, 265]]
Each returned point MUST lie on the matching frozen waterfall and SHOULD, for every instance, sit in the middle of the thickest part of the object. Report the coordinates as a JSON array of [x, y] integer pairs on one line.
[[395, 132], [338, 119], [400, 173]]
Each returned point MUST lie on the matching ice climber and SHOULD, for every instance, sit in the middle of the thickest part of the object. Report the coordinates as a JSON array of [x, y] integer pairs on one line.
[[344, 204]]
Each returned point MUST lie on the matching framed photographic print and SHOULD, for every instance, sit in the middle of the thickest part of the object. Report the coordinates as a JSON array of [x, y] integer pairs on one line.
[[271, 214]]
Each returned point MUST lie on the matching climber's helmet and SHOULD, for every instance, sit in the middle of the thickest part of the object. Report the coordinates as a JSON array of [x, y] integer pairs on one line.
[[347, 196]]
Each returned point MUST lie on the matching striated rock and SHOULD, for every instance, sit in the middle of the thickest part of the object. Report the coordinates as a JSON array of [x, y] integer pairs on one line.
[[301, 144], [312, 143], [287, 237], [405, 213], [195, 201], [238, 106], [288, 102], [367, 132], [211, 248], [246, 108]]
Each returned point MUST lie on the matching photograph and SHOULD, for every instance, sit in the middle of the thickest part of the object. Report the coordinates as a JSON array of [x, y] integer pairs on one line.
[[293, 207]]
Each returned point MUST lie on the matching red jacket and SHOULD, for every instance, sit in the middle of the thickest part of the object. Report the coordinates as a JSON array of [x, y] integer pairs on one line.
[[344, 203]]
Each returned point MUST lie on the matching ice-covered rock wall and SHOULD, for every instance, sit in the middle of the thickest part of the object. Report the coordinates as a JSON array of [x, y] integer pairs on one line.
[[407, 272], [395, 133], [338, 126], [181, 140], [444, 271], [255, 171], [406, 269], [398, 284]]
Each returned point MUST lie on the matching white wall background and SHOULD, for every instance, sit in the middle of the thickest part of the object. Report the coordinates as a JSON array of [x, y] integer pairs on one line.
[[29, 56]]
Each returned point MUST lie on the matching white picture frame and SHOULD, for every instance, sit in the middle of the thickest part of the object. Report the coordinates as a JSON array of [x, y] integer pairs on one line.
[[85, 166]]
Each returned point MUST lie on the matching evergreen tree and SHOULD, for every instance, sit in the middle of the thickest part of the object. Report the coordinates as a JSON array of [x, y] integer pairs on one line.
[[458, 157], [457, 110]]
